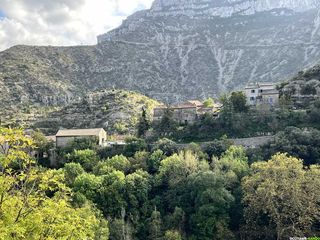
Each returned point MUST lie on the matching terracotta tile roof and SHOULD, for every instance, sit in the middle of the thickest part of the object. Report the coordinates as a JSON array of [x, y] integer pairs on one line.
[[183, 106], [79, 132], [195, 102]]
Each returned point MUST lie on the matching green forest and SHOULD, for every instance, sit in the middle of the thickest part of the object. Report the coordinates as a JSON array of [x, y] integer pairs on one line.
[[159, 191]]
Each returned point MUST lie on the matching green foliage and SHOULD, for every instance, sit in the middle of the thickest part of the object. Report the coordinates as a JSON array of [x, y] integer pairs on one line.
[[167, 146], [166, 126], [155, 226], [87, 158], [233, 165], [281, 198], [71, 172], [87, 184], [119, 162], [82, 144], [134, 145], [153, 162], [143, 124], [172, 235], [120, 127], [209, 219], [301, 143], [120, 229], [208, 102], [137, 189], [139, 161], [110, 195], [35, 203], [208, 192], [176, 168]]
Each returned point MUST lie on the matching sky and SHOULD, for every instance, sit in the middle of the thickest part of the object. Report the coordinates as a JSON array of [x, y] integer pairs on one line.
[[61, 22]]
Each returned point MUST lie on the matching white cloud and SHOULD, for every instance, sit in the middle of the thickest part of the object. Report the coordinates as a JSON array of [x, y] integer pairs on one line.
[[61, 22]]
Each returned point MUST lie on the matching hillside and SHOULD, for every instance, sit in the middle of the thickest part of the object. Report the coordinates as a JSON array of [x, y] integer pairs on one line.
[[304, 88], [175, 51], [117, 111]]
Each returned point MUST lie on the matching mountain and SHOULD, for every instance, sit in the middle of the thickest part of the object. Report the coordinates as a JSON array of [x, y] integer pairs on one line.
[[177, 50]]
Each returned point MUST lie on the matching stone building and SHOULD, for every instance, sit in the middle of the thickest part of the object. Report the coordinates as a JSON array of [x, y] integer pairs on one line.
[[66, 136], [184, 113], [262, 94]]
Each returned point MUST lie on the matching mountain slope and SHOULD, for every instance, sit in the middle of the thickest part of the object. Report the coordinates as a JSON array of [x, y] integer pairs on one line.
[[117, 111], [177, 50]]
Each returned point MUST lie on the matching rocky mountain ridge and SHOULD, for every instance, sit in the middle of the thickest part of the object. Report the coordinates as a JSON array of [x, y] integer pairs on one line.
[[171, 57], [227, 8]]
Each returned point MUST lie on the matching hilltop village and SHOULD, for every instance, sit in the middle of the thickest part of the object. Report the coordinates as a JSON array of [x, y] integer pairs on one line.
[[189, 113], [257, 95]]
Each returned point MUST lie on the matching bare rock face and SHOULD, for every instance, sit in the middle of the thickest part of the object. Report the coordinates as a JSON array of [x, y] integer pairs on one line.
[[226, 8], [177, 50]]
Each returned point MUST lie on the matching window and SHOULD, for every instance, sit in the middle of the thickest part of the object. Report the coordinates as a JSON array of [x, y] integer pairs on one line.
[[251, 98], [270, 100], [260, 91], [253, 91]]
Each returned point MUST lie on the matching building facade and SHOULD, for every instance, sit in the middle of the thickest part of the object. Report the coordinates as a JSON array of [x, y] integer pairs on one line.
[[262, 94], [184, 113], [67, 136]]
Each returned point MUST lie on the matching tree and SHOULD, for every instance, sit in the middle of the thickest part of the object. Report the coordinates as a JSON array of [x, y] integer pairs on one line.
[[143, 124], [282, 197], [119, 162], [208, 102], [209, 203], [87, 158], [139, 161], [134, 145], [300, 143], [172, 235], [153, 162], [88, 184], [110, 195], [176, 168], [167, 146], [42, 146], [137, 190], [72, 171], [166, 126], [232, 166], [155, 226], [34, 202], [239, 102]]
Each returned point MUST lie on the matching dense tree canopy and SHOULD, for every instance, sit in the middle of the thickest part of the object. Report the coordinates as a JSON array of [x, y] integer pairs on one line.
[[162, 191], [35, 203], [282, 198]]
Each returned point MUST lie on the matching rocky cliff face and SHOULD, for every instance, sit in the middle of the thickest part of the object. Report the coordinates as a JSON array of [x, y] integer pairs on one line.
[[226, 8], [177, 50]]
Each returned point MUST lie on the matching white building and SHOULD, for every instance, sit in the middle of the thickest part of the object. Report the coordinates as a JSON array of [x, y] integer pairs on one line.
[[262, 93]]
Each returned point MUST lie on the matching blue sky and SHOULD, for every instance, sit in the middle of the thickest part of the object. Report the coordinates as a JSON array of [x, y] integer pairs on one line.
[[61, 22], [1, 14]]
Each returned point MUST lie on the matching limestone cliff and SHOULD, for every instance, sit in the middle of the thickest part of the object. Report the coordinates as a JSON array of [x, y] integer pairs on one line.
[[177, 50]]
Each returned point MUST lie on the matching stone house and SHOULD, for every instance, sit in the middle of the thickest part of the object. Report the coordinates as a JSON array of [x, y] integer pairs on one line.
[[184, 113], [262, 94], [66, 136]]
